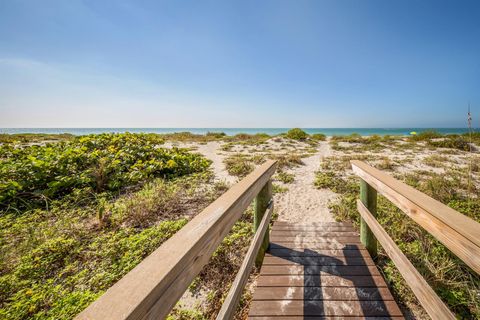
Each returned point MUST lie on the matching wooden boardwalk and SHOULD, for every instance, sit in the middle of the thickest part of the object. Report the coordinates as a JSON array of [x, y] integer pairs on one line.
[[320, 270], [310, 271]]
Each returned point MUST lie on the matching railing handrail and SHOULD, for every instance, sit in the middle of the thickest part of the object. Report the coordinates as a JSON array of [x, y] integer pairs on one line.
[[456, 231], [444, 223], [152, 288]]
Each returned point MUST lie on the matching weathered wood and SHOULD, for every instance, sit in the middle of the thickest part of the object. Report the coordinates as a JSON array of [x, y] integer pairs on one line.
[[261, 203], [229, 305], [312, 240], [325, 308], [317, 246], [325, 293], [313, 224], [317, 261], [153, 287], [286, 252], [349, 270], [314, 234], [321, 318], [456, 231], [432, 304], [323, 281], [368, 195], [314, 229], [320, 276]]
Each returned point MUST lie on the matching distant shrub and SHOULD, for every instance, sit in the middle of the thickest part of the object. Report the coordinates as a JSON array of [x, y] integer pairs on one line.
[[352, 138], [425, 135], [239, 165], [297, 134], [216, 135], [318, 136], [249, 139], [453, 142]]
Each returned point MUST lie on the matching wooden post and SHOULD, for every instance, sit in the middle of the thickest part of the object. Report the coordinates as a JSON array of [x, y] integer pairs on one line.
[[368, 196], [261, 204]]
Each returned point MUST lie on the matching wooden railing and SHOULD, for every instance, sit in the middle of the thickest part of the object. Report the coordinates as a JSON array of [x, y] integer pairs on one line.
[[154, 286], [457, 232]]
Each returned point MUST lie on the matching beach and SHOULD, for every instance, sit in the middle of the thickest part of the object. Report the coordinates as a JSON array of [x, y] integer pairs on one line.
[[313, 184]]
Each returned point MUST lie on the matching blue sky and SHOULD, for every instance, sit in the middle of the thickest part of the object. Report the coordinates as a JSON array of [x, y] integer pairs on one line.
[[339, 63]]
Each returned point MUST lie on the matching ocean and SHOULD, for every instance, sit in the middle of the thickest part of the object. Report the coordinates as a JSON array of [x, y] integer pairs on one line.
[[233, 131]]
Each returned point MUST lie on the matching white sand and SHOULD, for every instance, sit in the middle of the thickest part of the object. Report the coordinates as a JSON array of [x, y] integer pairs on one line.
[[212, 151], [303, 203]]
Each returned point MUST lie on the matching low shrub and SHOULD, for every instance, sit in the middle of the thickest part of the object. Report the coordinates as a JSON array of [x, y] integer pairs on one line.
[[285, 177], [296, 134], [452, 142], [425, 135], [239, 165], [35, 175], [318, 137]]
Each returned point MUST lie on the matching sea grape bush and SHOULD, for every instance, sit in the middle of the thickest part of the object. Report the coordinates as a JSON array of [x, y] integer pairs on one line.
[[296, 134], [96, 163]]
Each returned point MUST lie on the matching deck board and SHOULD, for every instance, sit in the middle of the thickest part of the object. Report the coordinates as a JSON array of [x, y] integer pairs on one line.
[[320, 271]]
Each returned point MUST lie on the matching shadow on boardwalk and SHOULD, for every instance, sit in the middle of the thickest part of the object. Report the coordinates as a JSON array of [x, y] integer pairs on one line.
[[353, 269]]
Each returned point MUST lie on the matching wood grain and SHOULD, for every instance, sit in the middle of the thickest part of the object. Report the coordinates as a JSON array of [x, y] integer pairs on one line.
[[363, 270], [320, 277], [432, 304], [229, 305], [325, 308], [325, 293], [153, 287], [456, 231]]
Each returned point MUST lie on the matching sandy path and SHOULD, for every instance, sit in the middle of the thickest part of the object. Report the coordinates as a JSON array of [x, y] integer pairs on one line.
[[303, 203], [212, 151]]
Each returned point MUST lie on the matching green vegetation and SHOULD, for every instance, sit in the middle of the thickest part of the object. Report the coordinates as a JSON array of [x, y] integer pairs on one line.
[[425, 135], [318, 137], [240, 165], [241, 138], [34, 137], [107, 202], [35, 175], [452, 141], [453, 281], [296, 134], [285, 177]]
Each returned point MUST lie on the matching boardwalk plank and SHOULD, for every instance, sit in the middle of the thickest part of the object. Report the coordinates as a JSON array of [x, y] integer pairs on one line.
[[324, 281], [286, 252], [316, 246], [318, 261], [323, 270], [314, 234], [320, 271], [327, 307], [326, 293]]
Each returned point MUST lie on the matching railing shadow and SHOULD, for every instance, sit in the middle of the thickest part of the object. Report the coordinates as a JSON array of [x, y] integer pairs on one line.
[[314, 264]]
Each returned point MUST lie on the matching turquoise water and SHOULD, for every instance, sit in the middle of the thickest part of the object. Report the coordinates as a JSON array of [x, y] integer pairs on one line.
[[233, 131]]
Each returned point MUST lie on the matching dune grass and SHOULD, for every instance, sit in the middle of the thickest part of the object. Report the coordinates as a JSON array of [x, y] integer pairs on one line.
[[454, 282], [60, 254]]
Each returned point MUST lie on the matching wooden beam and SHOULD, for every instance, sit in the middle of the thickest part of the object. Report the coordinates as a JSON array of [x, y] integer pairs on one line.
[[261, 203], [432, 304], [456, 231], [368, 195], [153, 287], [231, 301]]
